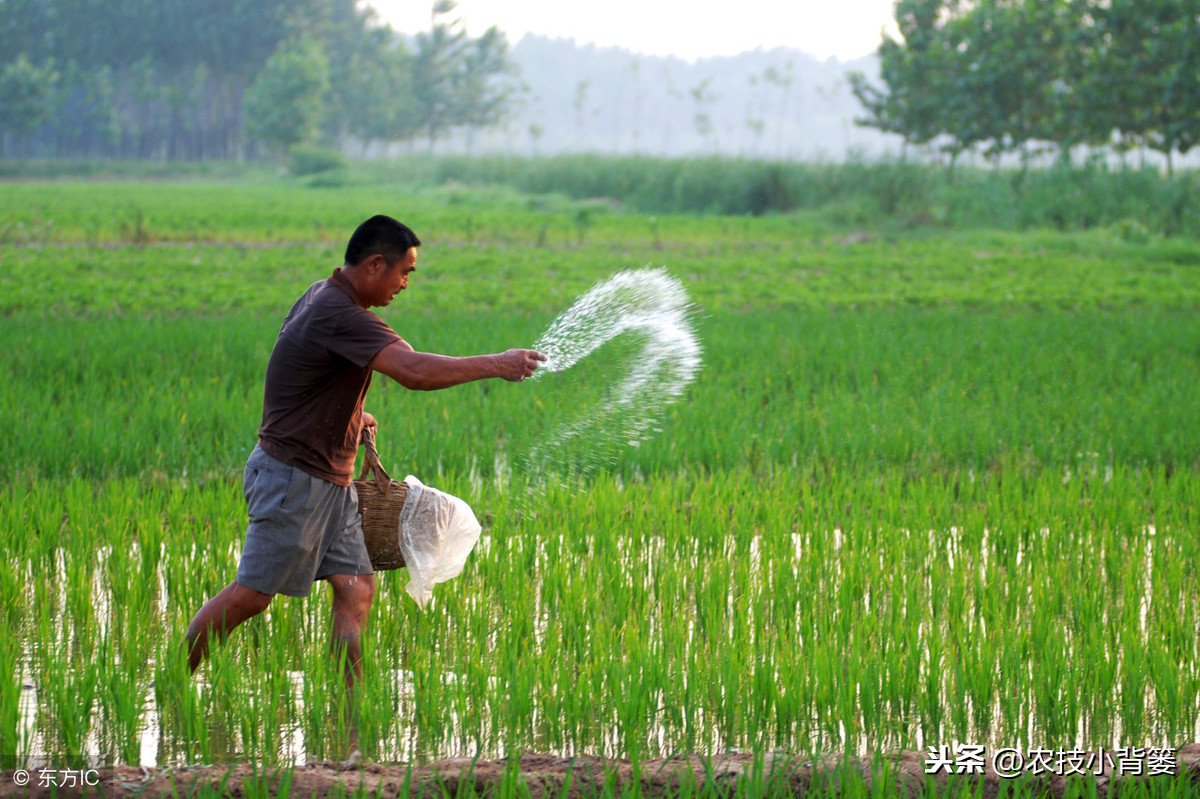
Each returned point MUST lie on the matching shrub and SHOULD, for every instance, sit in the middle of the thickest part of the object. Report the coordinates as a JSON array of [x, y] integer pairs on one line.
[[312, 160]]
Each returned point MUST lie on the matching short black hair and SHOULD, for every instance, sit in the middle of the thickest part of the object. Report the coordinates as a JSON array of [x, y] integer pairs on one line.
[[380, 234]]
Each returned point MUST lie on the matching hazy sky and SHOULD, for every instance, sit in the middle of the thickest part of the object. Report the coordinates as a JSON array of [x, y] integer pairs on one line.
[[686, 28]]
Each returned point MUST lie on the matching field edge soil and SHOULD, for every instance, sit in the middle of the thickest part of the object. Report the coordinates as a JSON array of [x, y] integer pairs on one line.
[[734, 774]]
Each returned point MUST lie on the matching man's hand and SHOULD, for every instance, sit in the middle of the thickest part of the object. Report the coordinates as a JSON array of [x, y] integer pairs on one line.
[[516, 365], [369, 423]]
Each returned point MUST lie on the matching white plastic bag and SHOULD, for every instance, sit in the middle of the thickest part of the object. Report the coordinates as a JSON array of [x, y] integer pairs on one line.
[[437, 533]]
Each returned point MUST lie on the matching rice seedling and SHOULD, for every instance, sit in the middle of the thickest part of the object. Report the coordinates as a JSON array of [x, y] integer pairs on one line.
[[897, 508]]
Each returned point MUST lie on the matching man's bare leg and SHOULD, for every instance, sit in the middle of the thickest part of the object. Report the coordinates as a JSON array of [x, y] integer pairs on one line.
[[219, 616], [352, 596]]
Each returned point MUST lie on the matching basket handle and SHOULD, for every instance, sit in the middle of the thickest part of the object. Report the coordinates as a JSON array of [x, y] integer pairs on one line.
[[382, 480]]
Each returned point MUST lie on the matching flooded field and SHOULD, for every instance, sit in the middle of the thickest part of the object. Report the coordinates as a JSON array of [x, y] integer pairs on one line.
[[919, 492], [652, 618]]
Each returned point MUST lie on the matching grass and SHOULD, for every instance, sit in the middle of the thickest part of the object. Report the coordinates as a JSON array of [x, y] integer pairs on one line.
[[1132, 203], [927, 488]]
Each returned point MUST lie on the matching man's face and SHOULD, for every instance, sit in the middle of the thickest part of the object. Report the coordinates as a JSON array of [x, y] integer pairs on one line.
[[393, 279]]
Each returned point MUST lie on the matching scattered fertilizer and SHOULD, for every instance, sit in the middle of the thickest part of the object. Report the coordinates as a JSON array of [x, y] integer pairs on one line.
[[638, 326]]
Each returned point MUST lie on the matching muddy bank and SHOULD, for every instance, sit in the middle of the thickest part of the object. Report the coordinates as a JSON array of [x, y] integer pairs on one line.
[[581, 777]]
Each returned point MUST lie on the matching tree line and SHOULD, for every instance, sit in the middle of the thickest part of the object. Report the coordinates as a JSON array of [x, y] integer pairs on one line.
[[1017, 76], [177, 79]]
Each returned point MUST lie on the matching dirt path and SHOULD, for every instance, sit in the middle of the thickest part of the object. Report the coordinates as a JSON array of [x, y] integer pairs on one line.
[[550, 776]]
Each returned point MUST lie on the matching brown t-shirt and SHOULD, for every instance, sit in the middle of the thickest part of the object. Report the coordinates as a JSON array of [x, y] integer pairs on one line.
[[317, 379]]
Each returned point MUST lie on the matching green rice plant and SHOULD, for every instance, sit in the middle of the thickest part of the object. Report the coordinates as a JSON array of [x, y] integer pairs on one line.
[[125, 649], [925, 489], [10, 674], [698, 658], [1024, 412], [67, 688], [183, 731]]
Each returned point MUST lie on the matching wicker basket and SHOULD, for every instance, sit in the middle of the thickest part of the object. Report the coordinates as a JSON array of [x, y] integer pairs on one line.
[[380, 500]]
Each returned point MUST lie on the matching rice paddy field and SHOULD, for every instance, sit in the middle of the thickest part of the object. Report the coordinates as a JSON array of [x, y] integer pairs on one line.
[[930, 487]]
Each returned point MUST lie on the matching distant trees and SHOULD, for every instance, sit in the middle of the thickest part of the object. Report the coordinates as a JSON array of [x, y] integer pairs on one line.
[[285, 102], [26, 96], [458, 81], [703, 96], [141, 78], [175, 79], [1147, 76], [1016, 75]]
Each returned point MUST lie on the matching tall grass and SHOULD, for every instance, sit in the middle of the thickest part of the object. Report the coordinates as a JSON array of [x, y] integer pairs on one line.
[[1137, 201]]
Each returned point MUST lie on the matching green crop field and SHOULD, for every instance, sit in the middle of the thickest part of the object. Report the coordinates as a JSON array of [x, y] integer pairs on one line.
[[930, 486]]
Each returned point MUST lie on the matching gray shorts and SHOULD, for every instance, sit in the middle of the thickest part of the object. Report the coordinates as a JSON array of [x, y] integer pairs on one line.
[[301, 529]]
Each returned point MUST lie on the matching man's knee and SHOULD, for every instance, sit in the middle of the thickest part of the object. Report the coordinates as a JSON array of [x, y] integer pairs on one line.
[[253, 602], [353, 593], [221, 614]]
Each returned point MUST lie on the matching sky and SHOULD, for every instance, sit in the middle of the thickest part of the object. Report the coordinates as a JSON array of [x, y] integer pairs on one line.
[[842, 29]]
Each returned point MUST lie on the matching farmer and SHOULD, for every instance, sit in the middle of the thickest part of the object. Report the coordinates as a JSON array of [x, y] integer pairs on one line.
[[304, 523]]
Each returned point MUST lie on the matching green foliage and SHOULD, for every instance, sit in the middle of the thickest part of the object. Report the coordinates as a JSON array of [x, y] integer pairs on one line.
[[234, 35], [370, 67], [145, 79], [1014, 73], [913, 70], [857, 197], [885, 193], [169, 80], [285, 103], [25, 95], [1147, 86], [312, 160], [458, 82]]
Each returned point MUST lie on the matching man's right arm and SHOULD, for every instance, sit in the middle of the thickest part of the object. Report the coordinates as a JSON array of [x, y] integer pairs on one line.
[[426, 371]]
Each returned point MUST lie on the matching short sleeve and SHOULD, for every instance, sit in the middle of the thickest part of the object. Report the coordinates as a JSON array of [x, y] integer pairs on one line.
[[360, 335]]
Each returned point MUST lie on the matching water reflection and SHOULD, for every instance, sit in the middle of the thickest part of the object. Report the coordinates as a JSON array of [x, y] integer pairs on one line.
[[283, 727]]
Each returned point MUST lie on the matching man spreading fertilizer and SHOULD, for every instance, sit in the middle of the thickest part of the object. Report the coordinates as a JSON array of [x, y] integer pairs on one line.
[[304, 522]]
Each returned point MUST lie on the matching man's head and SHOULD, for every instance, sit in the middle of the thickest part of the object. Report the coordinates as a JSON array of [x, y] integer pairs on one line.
[[381, 254], [383, 235]]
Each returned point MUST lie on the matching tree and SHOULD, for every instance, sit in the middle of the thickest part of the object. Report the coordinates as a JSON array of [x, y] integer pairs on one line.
[[375, 98], [168, 78], [439, 53], [1010, 72], [988, 71], [26, 92], [579, 102], [481, 98], [782, 79], [1017, 72], [284, 104], [1148, 81], [985, 88], [702, 95], [914, 72], [370, 72], [1082, 114], [457, 80]]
